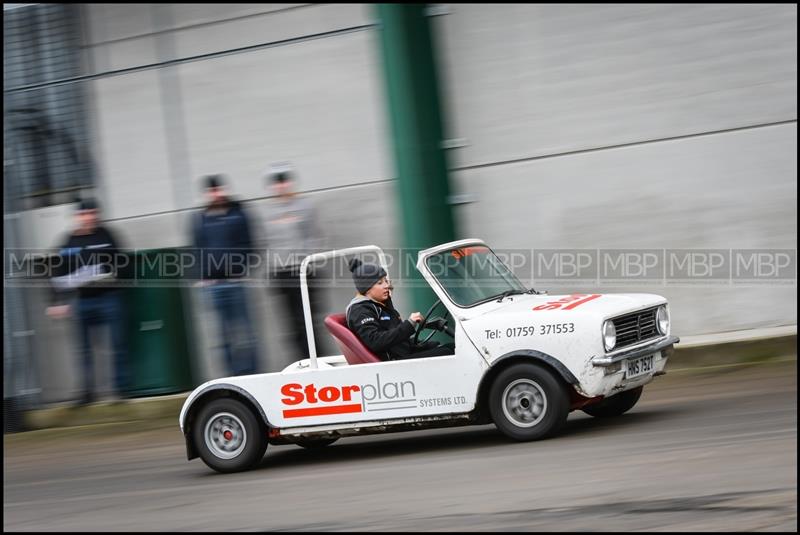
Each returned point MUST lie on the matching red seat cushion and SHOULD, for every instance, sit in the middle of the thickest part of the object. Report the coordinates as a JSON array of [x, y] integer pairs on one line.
[[353, 349]]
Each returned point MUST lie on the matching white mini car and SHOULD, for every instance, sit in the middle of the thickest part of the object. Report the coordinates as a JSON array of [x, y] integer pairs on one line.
[[523, 360]]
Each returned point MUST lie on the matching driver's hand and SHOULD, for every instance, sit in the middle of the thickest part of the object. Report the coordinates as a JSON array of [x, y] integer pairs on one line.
[[415, 317]]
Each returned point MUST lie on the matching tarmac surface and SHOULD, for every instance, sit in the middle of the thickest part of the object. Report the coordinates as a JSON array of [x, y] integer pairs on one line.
[[709, 449]]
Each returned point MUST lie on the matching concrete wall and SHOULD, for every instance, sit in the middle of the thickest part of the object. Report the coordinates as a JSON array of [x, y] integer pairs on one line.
[[630, 126], [317, 103], [586, 126]]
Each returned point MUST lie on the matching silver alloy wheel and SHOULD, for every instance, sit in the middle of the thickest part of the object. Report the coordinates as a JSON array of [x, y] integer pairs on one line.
[[524, 403], [225, 435]]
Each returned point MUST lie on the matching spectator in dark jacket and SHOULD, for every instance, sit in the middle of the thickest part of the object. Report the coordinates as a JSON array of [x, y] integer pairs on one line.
[[222, 239], [87, 263], [373, 318]]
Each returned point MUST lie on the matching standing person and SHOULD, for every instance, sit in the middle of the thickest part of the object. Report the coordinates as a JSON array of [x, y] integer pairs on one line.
[[88, 261], [291, 233], [221, 236]]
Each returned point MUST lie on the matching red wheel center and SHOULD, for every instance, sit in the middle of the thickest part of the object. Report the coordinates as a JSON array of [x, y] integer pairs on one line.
[[228, 435]]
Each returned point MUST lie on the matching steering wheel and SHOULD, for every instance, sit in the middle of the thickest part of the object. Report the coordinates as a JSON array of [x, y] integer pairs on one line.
[[437, 323]]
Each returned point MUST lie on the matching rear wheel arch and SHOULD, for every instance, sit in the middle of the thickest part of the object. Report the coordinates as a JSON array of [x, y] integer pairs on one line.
[[210, 394]]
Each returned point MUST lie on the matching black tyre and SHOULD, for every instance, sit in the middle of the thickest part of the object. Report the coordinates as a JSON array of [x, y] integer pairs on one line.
[[615, 405], [228, 436], [315, 443], [527, 402]]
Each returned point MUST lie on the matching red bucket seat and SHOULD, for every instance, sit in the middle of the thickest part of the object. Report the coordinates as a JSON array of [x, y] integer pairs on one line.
[[352, 347]]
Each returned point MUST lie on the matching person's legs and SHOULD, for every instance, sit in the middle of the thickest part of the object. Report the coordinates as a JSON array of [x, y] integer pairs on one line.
[[114, 315], [245, 354], [217, 294], [86, 318], [289, 290]]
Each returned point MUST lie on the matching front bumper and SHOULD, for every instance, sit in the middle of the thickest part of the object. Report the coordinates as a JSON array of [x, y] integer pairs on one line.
[[658, 345]]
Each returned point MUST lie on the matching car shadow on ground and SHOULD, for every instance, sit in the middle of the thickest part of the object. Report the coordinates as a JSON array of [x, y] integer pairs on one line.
[[454, 439], [580, 423]]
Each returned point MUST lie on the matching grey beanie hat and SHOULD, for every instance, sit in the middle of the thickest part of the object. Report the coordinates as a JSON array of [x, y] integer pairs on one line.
[[365, 274]]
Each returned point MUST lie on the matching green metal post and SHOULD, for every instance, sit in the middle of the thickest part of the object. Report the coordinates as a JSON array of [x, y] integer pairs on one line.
[[413, 97]]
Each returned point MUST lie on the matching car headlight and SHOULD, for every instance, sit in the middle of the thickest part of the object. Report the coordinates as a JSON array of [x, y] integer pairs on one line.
[[609, 335], [662, 319]]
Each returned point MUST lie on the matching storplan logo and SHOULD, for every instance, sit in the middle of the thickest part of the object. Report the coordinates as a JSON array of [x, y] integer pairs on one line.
[[326, 400]]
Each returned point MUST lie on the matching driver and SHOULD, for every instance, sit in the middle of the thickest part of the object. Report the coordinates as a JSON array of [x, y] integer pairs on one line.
[[373, 318]]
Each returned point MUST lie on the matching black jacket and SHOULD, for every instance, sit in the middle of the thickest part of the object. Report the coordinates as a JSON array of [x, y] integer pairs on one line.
[[99, 249], [380, 328]]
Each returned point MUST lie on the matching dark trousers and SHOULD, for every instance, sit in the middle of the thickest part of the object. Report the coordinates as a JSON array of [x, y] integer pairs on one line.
[[238, 337], [287, 284], [96, 311]]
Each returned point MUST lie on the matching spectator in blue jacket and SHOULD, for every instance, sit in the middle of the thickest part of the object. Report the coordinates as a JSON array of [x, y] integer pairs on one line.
[[223, 240]]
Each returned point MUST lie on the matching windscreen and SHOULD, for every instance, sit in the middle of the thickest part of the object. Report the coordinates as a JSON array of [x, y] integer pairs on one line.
[[472, 275]]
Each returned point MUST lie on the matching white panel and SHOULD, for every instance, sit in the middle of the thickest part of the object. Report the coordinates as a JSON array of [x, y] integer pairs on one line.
[[317, 104], [191, 14], [528, 80], [45, 227], [131, 144], [125, 54], [269, 28], [727, 191], [154, 231], [118, 21]]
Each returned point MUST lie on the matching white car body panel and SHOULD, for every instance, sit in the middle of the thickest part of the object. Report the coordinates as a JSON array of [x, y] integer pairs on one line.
[[502, 330], [375, 391]]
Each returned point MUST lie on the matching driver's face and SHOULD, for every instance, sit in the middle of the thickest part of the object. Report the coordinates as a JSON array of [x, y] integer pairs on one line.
[[380, 291]]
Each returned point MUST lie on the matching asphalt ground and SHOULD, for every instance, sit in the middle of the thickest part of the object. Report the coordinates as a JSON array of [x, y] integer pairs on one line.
[[712, 448]]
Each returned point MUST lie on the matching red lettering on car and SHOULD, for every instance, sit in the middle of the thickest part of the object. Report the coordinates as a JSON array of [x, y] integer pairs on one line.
[[347, 390], [582, 301], [568, 303], [294, 397], [296, 393]]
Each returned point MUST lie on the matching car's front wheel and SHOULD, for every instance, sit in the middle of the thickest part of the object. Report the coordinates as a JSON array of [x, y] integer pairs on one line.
[[615, 405], [228, 436], [527, 402]]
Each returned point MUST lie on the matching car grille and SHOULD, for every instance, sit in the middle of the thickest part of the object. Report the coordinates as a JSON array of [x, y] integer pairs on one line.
[[636, 327]]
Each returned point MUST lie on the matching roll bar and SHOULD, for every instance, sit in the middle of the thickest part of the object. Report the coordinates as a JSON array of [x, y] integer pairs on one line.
[[312, 348]]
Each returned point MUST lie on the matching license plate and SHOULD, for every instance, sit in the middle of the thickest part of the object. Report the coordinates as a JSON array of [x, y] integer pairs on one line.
[[637, 367]]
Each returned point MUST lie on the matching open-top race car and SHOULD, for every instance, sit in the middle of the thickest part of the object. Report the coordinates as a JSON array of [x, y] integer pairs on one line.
[[523, 360]]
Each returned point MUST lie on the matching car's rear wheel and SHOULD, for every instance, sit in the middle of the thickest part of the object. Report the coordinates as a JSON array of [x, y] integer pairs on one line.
[[615, 405], [315, 443], [527, 402], [228, 436]]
